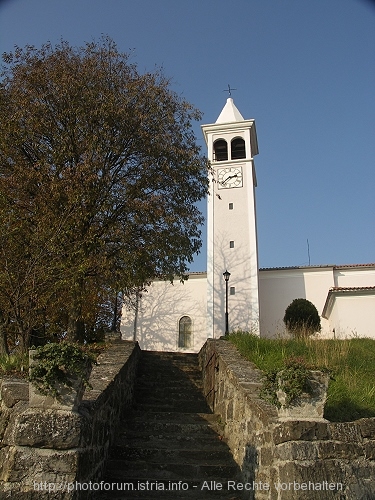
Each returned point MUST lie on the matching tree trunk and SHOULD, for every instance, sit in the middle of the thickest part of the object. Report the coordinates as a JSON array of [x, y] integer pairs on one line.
[[76, 325], [4, 348]]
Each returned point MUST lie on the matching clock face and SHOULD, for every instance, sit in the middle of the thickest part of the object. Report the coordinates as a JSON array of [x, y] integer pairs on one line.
[[229, 177]]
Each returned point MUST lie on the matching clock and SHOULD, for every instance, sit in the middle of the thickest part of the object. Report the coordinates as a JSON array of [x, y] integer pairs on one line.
[[229, 177]]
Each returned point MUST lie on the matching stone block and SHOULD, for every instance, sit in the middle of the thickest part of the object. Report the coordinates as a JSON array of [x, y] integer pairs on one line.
[[317, 474], [29, 465], [361, 489], [304, 430], [229, 410], [69, 396], [5, 413], [310, 406], [363, 469], [345, 431], [339, 450], [367, 427], [266, 456], [296, 450], [13, 391], [369, 449], [35, 427]]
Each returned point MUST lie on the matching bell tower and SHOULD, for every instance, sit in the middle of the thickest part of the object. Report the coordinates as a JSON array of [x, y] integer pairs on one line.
[[231, 223]]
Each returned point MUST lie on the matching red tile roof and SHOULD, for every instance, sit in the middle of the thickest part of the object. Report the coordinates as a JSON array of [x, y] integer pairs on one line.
[[351, 288], [322, 266]]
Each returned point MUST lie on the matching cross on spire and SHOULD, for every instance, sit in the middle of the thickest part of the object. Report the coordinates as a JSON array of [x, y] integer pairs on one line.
[[229, 90]]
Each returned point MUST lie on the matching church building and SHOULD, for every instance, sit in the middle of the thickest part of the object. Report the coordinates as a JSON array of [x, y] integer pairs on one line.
[[234, 294]]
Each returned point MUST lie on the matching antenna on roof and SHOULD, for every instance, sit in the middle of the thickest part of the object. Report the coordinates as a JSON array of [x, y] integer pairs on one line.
[[229, 90], [308, 250]]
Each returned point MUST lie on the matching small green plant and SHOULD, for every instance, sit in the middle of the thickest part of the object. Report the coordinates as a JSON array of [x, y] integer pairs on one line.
[[13, 364], [293, 379], [302, 318], [56, 364]]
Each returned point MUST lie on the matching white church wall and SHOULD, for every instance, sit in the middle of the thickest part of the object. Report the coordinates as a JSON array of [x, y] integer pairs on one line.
[[279, 287], [259, 300], [159, 311], [354, 276], [353, 315]]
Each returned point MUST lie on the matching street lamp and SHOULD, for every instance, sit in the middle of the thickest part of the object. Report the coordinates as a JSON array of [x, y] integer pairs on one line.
[[226, 277]]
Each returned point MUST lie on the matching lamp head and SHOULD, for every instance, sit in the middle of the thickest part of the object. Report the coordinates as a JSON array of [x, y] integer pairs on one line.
[[226, 275]]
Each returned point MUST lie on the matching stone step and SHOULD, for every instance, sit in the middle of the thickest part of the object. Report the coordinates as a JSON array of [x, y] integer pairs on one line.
[[168, 406], [170, 436], [168, 364], [172, 365], [173, 490], [170, 355], [169, 376], [207, 442], [169, 454], [181, 471], [176, 387], [188, 424]]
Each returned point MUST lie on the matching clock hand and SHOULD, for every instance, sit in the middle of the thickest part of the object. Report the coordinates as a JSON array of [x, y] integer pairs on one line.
[[230, 177]]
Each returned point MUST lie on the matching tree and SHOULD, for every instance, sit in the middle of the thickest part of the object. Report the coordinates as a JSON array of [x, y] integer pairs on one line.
[[302, 318], [99, 178]]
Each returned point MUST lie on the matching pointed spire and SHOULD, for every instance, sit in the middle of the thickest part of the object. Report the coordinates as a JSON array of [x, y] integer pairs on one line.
[[229, 113]]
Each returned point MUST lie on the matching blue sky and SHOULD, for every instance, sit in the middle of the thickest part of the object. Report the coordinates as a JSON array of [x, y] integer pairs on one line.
[[305, 71]]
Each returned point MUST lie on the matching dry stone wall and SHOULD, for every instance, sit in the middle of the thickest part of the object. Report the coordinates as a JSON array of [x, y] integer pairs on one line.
[[290, 459], [52, 452]]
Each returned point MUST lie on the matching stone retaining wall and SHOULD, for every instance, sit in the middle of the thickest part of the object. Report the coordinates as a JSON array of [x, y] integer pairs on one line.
[[44, 452], [282, 460]]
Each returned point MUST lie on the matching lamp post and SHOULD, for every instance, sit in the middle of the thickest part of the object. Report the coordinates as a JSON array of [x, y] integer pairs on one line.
[[226, 277]]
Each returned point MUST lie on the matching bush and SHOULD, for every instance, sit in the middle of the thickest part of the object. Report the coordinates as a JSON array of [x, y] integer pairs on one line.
[[302, 318], [57, 363]]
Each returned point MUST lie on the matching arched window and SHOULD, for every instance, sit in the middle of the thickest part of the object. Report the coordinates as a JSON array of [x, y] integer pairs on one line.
[[184, 332], [238, 149], [220, 150]]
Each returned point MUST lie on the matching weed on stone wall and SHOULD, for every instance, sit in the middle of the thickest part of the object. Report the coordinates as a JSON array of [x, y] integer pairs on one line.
[[55, 365]]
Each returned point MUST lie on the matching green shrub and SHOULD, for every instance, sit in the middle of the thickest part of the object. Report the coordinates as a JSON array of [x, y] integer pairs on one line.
[[56, 364], [302, 318]]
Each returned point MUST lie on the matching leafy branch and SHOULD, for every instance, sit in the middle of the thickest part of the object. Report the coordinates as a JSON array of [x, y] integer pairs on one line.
[[56, 364]]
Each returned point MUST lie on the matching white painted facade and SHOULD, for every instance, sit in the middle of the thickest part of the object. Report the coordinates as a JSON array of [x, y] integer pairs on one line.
[[323, 286], [231, 223], [159, 312], [181, 316]]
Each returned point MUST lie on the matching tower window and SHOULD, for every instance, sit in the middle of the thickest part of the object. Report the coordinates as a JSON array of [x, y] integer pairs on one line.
[[220, 150], [238, 149], [232, 290], [184, 332], [231, 244], [230, 206]]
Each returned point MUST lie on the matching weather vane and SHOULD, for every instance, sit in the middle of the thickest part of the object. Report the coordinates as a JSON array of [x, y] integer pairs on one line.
[[229, 90]]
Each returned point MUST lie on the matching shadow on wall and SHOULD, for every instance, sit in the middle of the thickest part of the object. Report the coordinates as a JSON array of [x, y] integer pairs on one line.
[[160, 310], [243, 307], [277, 289], [248, 468]]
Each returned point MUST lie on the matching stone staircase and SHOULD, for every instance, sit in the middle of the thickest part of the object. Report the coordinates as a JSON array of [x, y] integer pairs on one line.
[[170, 445]]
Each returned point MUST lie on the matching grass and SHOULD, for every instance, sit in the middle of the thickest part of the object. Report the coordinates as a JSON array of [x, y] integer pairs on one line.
[[351, 392], [14, 364]]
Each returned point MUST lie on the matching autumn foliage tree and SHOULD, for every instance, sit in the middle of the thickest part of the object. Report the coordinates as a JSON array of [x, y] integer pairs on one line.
[[99, 178]]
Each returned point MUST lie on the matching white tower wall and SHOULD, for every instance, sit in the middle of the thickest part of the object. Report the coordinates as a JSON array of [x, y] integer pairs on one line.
[[231, 227]]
